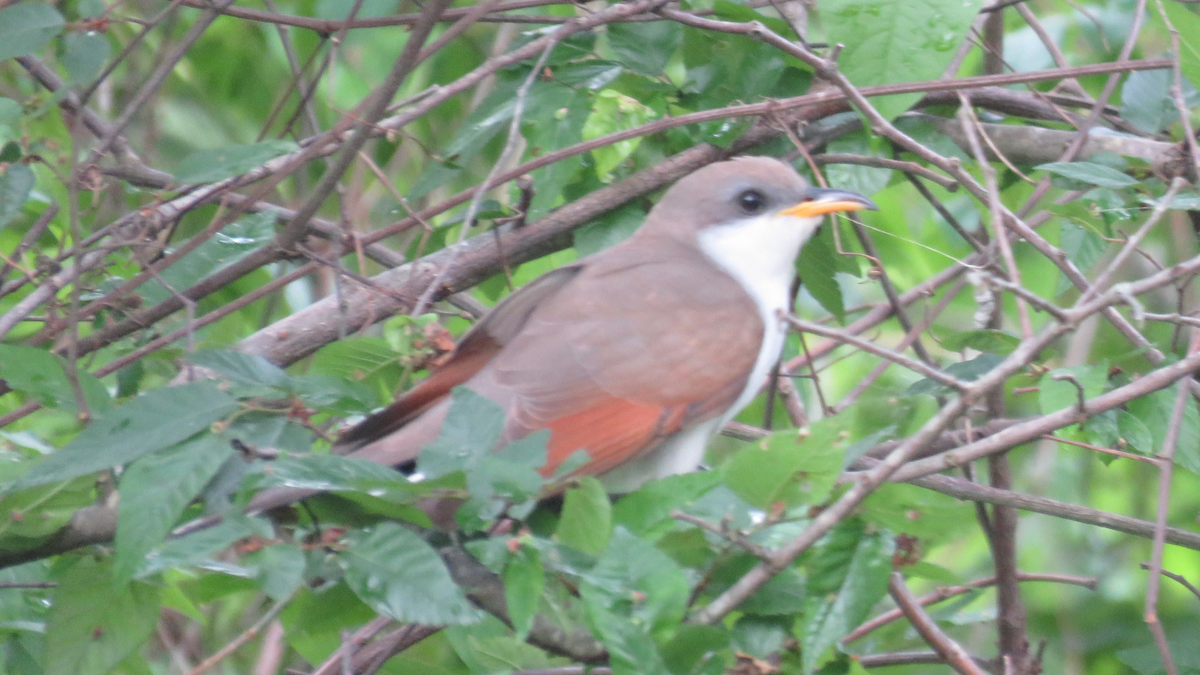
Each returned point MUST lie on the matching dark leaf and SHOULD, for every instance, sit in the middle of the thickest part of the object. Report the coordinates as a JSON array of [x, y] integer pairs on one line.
[[645, 47], [27, 27], [207, 166], [889, 41], [154, 491], [95, 624], [149, 422], [586, 521], [399, 575], [1090, 173]]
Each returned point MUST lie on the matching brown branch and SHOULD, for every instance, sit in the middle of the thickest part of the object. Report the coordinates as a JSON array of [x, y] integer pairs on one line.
[[950, 651]]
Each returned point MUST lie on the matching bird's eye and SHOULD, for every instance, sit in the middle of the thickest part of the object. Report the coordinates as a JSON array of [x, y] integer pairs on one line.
[[752, 202]]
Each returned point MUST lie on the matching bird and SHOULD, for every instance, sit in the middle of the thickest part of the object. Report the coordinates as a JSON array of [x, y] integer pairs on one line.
[[639, 353]]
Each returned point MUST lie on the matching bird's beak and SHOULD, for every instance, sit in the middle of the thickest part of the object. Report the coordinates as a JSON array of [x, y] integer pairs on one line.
[[819, 201]]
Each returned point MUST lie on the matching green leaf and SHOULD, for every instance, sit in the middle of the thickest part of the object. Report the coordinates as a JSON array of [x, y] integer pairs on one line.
[[1146, 100], [645, 47], [470, 431], [609, 229], [242, 368], [367, 360], [889, 41], [199, 547], [1090, 173], [1082, 246], [1154, 410], [586, 521], [337, 473], [865, 180], [207, 166], [634, 592], [791, 466], [95, 624], [967, 371], [692, 643], [84, 56], [281, 569], [149, 422], [1133, 434], [817, 266], [987, 340], [154, 491], [1056, 393], [15, 185], [783, 595], [523, 582], [1188, 25], [43, 376], [613, 111], [27, 27], [562, 129], [653, 503], [10, 112], [229, 246], [399, 575], [832, 612]]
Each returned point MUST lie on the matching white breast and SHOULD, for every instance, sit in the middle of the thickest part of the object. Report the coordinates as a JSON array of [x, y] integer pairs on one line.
[[761, 254]]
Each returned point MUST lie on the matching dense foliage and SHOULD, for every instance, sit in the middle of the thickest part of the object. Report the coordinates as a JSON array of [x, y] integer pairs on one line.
[[227, 230]]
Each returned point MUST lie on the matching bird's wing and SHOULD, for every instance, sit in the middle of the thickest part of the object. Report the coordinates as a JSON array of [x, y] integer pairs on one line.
[[632, 351], [476, 348]]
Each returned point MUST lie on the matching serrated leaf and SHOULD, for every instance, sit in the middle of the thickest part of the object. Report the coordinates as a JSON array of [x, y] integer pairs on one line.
[[242, 368], [470, 431], [609, 229], [43, 376], [653, 503], [634, 568], [817, 266], [1154, 410], [889, 41], [95, 624], [367, 360], [84, 55], [586, 520], [154, 491], [523, 583], [207, 166], [965, 371], [225, 248], [987, 340], [1090, 173], [281, 569], [645, 47], [834, 611], [198, 547], [1056, 393], [783, 595], [399, 575], [1133, 434], [865, 180], [1082, 246], [337, 473], [791, 466], [149, 422], [1188, 25], [16, 182], [27, 27], [10, 112], [1146, 100]]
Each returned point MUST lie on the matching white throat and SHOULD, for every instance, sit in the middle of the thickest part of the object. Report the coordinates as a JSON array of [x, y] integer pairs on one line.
[[761, 254]]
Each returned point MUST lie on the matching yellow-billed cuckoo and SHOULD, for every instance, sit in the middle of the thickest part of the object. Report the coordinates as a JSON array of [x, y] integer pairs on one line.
[[639, 353]]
